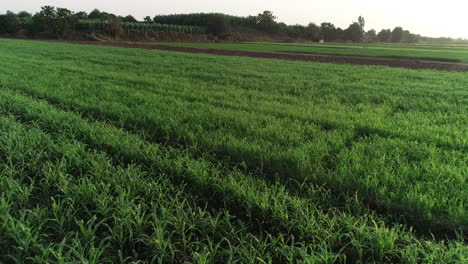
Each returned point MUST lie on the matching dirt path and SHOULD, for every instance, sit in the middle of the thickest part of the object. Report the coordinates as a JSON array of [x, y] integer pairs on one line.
[[356, 60]]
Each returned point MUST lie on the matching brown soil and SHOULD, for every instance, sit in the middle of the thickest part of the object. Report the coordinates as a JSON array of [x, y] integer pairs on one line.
[[356, 60]]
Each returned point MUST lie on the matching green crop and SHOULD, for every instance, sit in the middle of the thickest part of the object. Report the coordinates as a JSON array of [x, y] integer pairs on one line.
[[122, 155], [404, 51]]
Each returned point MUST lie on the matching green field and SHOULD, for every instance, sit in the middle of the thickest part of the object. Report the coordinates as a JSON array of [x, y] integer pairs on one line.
[[450, 53], [114, 155]]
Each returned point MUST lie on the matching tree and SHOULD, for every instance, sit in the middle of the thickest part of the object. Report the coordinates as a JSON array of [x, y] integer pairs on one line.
[[354, 32], [129, 18], [313, 32], [296, 31], [397, 35], [39, 23], [218, 25], [413, 38], [95, 14], [328, 31], [107, 16], [371, 35], [339, 34], [409, 37], [24, 14], [266, 21], [48, 12], [362, 23], [250, 21], [60, 21], [43, 21], [65, 22], [384, 35], [81, 15], [9, 23], [148, 19]]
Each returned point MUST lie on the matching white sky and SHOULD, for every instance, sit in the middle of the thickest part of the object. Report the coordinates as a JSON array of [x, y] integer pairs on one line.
[[434, 18]]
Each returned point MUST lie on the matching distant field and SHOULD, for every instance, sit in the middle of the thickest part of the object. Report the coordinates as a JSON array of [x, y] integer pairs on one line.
[[117, 155], [453, 53]]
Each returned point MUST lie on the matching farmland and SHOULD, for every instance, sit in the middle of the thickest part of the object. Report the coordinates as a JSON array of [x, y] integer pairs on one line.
[[449, 53], [114, 155]]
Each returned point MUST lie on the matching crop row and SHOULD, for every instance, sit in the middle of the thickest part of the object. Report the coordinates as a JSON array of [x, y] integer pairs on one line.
[[50, 212], [148, 214], [387, 149]]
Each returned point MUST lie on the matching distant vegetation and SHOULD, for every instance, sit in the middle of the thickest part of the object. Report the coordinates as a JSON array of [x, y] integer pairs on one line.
[[62, 23], [266, 22]]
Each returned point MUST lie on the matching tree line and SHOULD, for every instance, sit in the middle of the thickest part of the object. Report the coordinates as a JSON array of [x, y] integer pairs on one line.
[[223, 25], [61, 22], [55, 22]]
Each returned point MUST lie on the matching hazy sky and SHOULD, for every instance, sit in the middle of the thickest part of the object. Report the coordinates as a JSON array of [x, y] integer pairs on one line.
[[433, 18]]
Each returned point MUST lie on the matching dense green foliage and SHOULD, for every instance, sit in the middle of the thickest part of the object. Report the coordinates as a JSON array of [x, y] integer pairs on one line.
[[9, 23], [266, 22], [61, 22], [56, 21], [431, 52], [119, 155], [102, 26]]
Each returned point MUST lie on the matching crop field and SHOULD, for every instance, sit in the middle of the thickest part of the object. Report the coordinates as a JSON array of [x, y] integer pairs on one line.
[[449, 53], [117, 155]]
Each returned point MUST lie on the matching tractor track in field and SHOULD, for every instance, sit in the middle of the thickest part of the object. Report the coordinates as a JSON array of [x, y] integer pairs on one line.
[[289, 56]]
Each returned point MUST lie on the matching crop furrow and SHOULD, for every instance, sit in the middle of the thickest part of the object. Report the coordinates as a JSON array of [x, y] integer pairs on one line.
[[139, 84], [287, 167], [340, 191], [70, 173], [270, 205], [362, 127], [200, 158]]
